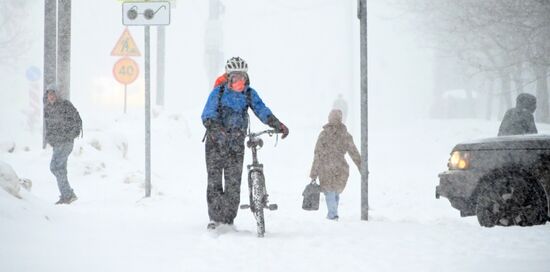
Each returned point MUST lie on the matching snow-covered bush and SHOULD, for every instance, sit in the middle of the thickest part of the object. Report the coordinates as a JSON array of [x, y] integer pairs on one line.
[[9, 180]]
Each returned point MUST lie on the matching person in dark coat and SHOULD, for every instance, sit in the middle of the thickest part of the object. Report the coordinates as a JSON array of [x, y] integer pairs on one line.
[[63, 125], [225, 117], [520, 120], [329, 162]]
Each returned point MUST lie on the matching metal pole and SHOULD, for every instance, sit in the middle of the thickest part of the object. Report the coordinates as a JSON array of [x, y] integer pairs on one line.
[[147, 114], [64, 48], [362, 14], [125, 97], [50, 57], [161, 42]]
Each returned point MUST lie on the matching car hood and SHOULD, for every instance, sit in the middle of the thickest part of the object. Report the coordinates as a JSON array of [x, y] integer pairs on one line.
[[516, 142]]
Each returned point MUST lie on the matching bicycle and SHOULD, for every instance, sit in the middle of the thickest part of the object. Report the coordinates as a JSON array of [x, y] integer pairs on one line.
[[256, 182]]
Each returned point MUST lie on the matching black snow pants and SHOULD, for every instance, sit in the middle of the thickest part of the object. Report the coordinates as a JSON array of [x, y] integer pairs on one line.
[[227, 159]]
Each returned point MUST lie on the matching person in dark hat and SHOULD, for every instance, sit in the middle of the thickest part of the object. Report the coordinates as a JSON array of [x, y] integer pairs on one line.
[[63, 125], [520, 120]]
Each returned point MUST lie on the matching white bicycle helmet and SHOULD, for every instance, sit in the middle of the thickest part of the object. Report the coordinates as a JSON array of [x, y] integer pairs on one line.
[[236, 64]]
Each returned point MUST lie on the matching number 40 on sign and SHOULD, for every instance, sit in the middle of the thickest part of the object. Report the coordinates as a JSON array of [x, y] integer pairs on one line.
[[126, 71]]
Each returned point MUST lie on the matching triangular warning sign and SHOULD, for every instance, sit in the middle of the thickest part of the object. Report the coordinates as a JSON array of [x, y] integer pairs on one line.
[[126, 46]]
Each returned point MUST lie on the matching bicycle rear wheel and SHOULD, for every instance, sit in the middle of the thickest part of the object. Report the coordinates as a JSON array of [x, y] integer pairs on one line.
[[257, 199]]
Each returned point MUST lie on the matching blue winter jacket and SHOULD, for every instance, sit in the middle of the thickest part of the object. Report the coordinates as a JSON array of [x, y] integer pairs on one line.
[[234, 108]]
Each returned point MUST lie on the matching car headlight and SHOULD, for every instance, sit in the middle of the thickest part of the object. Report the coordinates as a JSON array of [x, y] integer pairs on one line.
[[459, 160]]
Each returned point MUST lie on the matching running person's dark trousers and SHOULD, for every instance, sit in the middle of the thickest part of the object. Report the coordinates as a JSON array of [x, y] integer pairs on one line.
[[223, 198]]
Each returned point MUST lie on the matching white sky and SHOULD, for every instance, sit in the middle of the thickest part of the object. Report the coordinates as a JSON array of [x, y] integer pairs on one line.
[[301, 55]]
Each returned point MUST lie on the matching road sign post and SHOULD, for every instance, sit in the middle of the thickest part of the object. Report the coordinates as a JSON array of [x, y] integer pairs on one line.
[[147, 113], [146, 14]]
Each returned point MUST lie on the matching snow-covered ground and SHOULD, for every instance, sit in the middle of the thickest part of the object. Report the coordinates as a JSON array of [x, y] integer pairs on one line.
[[301, 54], [112, 227]]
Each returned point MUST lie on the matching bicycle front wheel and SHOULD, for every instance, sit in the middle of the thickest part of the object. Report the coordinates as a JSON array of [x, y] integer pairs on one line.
[[257, 199]]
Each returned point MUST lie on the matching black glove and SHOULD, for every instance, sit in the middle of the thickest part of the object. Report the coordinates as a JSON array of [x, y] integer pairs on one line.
[[277, 125], [284, 130], [215, 131]]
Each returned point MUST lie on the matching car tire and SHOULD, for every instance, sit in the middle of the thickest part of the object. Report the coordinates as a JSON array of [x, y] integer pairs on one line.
[[510, 199]]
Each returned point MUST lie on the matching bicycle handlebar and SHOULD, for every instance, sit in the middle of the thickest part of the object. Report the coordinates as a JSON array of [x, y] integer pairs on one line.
[[256, 134]]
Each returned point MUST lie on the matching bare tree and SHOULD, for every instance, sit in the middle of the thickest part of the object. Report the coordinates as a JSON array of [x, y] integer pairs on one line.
[[13, 41], [504, 39]]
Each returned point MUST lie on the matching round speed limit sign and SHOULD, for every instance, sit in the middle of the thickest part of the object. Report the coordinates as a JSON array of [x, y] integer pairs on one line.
[[126, 71]]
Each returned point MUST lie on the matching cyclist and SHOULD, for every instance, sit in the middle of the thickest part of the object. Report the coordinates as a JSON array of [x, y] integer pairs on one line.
[[225, 117]]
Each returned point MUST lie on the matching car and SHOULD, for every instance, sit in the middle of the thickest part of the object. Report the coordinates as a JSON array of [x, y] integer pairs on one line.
[[503, 181]]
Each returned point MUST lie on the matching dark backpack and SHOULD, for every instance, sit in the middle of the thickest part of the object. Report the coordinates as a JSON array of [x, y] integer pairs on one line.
[[76, 122]]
